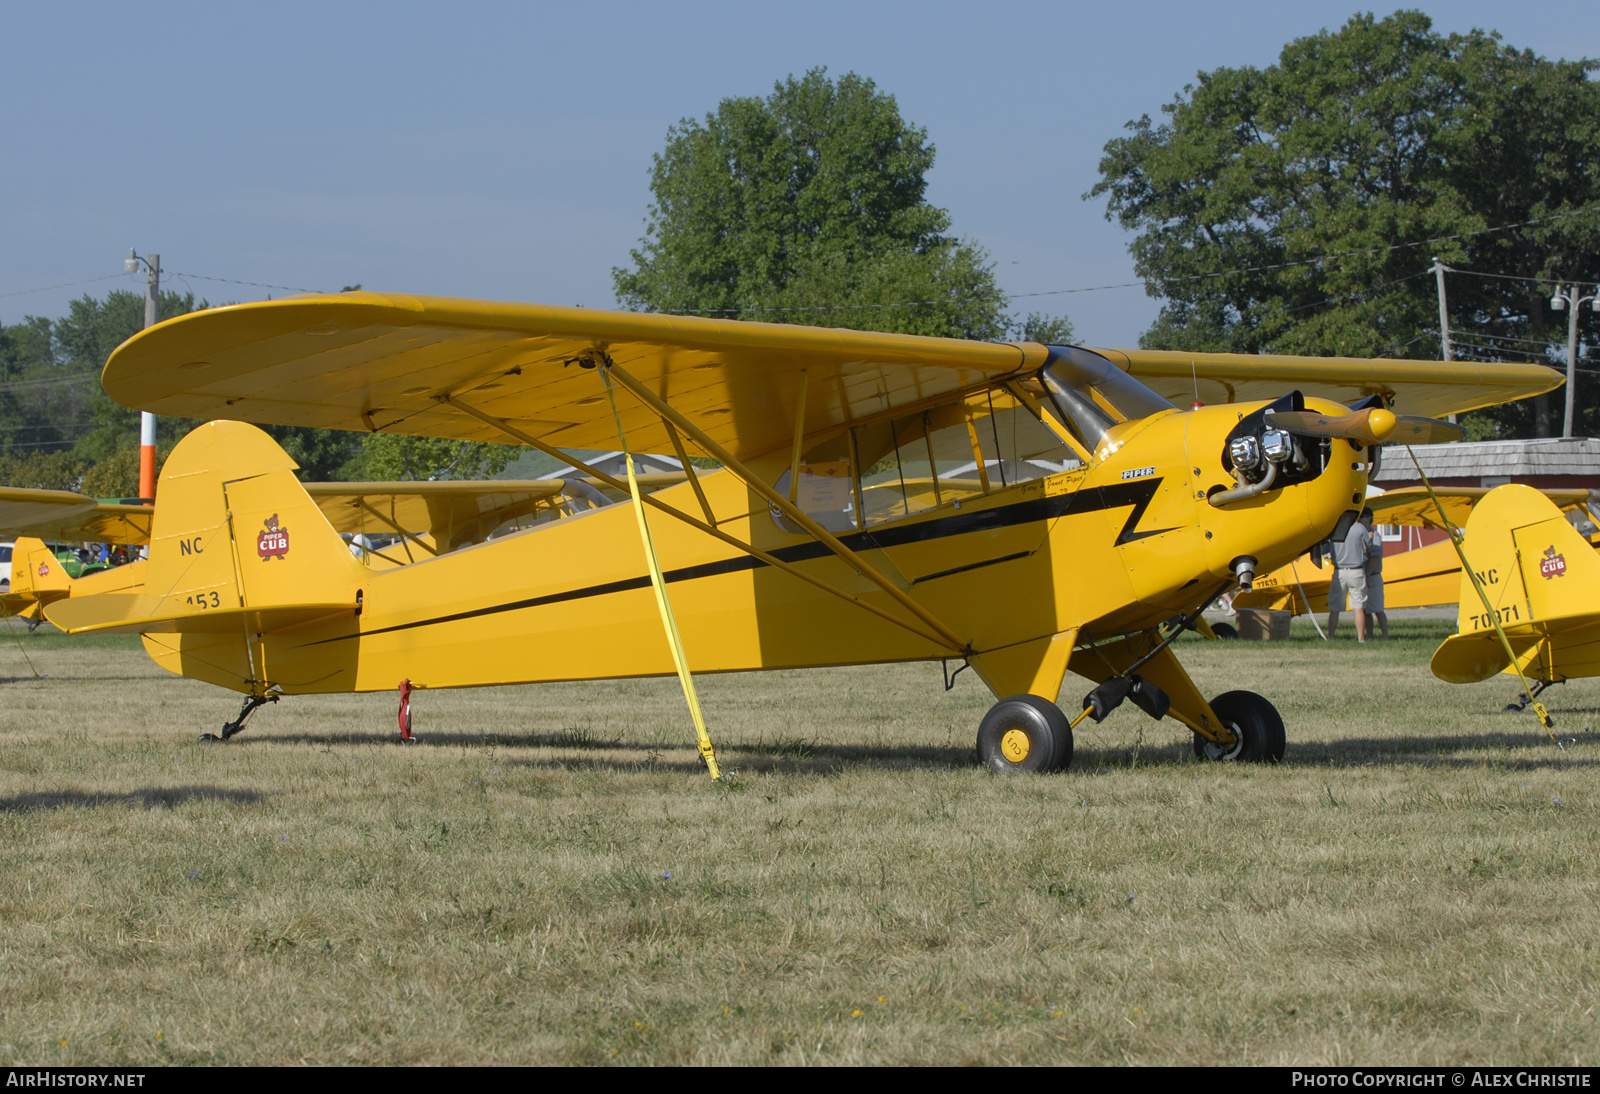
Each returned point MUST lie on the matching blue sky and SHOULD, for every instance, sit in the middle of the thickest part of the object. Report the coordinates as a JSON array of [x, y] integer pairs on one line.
[[502, 150]]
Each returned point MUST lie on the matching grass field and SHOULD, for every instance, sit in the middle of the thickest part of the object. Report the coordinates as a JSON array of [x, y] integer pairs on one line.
[[548, 876]]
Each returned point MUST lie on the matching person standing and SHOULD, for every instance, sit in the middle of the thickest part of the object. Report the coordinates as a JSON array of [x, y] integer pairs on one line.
[[1375, 577], [1350, 557]]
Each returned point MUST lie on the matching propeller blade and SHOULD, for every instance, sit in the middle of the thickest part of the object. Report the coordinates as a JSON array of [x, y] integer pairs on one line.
[[1411, 429], [1364, 427]]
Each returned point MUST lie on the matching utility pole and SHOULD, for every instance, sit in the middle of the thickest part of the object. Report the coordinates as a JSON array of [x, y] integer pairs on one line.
[[1439, 269], [147, 421], [1570, 302]]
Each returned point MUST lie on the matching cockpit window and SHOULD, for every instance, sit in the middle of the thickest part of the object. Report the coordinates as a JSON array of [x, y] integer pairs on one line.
[[893, 468], [1091, 396]]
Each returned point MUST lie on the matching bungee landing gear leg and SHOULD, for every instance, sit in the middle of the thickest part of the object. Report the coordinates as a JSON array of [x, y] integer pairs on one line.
[[1536, 688], [251, 702], [405, 713]]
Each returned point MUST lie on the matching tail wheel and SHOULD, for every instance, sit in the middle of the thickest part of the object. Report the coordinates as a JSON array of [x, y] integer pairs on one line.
[[1256, 724], [1025, 734]]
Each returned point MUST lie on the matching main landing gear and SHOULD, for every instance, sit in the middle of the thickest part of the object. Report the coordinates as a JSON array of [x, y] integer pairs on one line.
[[251, 702], [1257, 729], [1028, 734], [1025, 733]]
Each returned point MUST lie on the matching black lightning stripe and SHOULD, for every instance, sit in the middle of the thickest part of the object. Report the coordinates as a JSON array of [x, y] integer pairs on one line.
[[1137, 494]]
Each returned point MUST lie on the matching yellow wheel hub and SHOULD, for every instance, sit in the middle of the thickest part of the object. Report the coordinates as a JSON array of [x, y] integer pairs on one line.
[[1014, 745]]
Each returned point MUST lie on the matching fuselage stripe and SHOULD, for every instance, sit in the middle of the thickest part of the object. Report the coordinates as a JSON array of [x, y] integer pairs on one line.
[[1137, 494]]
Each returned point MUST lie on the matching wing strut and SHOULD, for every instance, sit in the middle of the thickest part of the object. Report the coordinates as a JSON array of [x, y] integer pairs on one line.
[[522, 437], [403, 533], [788, 508], [669, 622]]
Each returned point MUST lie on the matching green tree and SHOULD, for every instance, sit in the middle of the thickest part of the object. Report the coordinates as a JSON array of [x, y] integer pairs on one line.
[[1289, 209], [1051, 330], [84, 340], [42, 403], [808, 206], [391, 457], [32, 469]]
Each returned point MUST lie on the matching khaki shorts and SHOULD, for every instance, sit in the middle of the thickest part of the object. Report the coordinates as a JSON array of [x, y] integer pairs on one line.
[[1353, 582]]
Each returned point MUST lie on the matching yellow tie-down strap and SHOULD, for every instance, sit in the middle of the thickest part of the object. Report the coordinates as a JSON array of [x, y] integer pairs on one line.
[[659, 584]]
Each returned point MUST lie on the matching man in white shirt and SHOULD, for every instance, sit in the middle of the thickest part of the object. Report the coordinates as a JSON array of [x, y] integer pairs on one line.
[[1350, 557]]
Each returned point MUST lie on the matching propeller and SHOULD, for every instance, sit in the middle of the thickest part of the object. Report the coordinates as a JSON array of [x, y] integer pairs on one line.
[[1364, 427], [1367, 427], [1414, 429]]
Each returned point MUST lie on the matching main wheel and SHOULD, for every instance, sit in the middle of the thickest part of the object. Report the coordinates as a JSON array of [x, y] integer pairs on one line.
[[1255, 722], [1025, 733], [1224, 630]]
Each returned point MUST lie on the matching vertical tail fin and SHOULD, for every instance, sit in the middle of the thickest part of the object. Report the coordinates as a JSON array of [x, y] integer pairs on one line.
[[234, 534], [1532, 563], [1542, 579], [37, 578], [234, 528]]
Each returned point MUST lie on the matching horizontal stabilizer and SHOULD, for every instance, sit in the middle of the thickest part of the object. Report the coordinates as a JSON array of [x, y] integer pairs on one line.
[[1469, 658], [138, 613]]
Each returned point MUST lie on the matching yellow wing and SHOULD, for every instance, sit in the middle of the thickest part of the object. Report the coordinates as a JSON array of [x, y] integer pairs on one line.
[[450, 513], [62, 515], [1411, 505], [367, 361], [1428, 388], [364, 361]]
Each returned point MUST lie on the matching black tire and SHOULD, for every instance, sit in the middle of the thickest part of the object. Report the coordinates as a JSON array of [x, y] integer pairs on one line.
[[1224, 630], [1257, 724], [1025, 734]]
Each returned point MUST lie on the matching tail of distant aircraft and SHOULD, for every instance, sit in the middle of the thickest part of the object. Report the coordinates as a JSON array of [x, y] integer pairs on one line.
[[238, 548], [37, 577], [1542, 580]]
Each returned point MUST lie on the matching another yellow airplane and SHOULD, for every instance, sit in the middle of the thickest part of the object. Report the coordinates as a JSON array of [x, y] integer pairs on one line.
[[1418, 578], [1027, 509], [37, 576], [1542, 582]]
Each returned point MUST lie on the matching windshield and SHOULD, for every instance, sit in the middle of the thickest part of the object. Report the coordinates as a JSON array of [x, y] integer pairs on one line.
[[1091, 396]]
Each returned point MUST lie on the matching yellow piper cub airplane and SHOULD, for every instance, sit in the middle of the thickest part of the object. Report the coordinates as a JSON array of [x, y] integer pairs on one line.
[[1029, 509], [1542, 582], [1417, 578]]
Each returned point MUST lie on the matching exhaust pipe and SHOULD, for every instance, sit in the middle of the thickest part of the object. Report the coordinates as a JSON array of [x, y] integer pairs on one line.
[[1244, 569], [1240, 492]]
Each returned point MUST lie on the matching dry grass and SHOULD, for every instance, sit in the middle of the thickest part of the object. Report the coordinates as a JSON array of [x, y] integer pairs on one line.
[[1417, 884]]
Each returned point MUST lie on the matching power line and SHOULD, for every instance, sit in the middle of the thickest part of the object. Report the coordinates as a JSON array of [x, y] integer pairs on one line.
[[51, 381], [253, 284], [62, 285], [1262, 268], [1164, 281], [1515, 277]]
